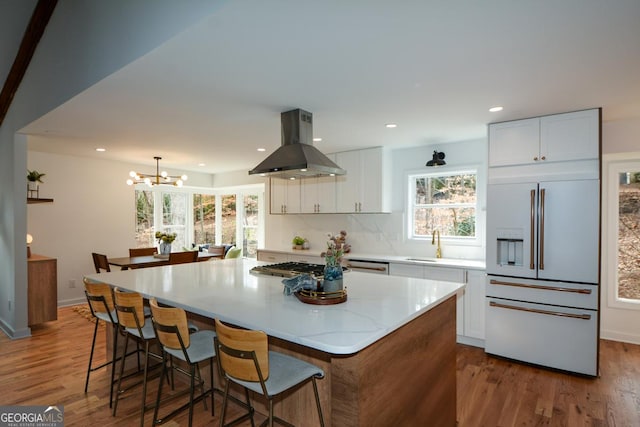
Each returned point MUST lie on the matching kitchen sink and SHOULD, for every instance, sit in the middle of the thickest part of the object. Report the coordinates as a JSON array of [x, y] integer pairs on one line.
[[423, 259]]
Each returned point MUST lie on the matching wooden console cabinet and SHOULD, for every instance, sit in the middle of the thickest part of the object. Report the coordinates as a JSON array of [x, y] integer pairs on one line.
[[42, 290]]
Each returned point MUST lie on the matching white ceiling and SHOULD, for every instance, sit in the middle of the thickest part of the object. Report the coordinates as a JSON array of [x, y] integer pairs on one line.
[[214, 93]]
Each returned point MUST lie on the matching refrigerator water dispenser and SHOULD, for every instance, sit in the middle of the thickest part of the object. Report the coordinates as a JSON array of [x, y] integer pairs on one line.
[[510, 251]]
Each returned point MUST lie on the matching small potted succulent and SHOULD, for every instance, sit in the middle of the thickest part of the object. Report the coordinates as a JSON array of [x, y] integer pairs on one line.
[[298, 242], [33, 178]]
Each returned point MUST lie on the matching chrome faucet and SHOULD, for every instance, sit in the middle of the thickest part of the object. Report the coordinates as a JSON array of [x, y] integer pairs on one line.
[[433, 242]]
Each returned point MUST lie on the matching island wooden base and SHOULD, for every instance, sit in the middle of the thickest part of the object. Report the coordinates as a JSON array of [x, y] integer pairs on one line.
[[406, 378]]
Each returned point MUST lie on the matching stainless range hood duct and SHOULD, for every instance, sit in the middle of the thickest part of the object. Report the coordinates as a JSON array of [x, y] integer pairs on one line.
[[297, 157]]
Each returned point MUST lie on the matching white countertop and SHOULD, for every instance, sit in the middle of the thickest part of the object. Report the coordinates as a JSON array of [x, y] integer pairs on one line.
[[225, 289], [403, 259]]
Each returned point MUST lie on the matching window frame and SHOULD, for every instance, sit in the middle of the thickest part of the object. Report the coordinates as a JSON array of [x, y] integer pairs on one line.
[[410, 177], [609, 263], [238, 191]]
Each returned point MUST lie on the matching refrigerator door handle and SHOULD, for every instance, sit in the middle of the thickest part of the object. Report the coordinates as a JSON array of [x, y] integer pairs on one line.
[[538, 287], [547, 312], [541, 261], [533, 225]]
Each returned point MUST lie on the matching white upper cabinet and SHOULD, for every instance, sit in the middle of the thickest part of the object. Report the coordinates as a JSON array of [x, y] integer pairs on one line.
[[570, 136], [318, 194], [364, 188], [514, 143], [556, 138], [284, 196]]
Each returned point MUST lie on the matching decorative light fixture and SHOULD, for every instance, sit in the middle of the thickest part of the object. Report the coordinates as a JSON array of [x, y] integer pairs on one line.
[[29, 241], [437, 160], [157, 179]]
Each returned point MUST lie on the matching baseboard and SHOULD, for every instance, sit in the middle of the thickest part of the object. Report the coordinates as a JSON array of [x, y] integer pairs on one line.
[[12, 333], [461, 339], [73, 301], [620, 336]]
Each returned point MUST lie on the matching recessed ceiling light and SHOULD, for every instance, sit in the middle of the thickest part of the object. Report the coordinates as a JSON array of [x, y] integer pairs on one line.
[[317, 139], [495, 109], [391, 125], [101, 150], [202, 164], [262, 149]]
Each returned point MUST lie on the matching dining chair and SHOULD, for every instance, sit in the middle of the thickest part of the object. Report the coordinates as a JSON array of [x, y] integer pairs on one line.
[[100, 262], [134, 325], [142, 251], [218, 251], [183, 257], [244, 358], [172, 329]]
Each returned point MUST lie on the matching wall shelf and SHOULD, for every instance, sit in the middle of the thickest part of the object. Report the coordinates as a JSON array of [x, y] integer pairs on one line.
[[32, 200]]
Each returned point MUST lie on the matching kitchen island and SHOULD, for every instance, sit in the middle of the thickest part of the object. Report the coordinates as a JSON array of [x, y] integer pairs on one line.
[[388, 352]]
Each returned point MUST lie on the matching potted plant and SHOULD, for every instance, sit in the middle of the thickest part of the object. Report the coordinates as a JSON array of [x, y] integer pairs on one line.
[[165, 240], [298, 242], [33, 178]]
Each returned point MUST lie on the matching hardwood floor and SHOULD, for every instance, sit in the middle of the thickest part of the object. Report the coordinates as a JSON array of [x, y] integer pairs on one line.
[[49, 369]]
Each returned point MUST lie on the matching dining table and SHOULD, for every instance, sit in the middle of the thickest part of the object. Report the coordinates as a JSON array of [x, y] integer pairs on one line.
[[155, 260]]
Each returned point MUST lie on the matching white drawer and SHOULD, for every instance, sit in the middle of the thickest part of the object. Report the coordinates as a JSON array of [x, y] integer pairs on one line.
[[544, 292], [557, 337]]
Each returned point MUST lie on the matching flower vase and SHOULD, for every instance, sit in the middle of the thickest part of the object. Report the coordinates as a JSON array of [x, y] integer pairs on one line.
[[332, 278], [165, 248]]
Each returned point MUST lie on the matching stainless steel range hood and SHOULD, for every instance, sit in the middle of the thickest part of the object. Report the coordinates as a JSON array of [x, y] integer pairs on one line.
[[297, 157]]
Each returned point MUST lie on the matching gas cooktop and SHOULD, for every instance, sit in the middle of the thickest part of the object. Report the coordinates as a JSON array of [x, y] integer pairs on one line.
[[290, 269]]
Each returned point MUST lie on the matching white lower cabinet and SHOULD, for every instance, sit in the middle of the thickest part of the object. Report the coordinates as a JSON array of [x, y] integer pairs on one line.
[[474, 304], [276, 257], [470, 308], [272, 256]]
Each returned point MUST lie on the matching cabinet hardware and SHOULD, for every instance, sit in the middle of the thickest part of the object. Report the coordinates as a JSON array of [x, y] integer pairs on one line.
[[541, 260], [532, 229], [544, 288], [535, 158], [367, 268], [547, 312]]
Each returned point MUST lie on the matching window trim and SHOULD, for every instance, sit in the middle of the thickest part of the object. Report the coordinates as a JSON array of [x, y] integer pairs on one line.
[[613, 166], [442, 171], [239, 191]]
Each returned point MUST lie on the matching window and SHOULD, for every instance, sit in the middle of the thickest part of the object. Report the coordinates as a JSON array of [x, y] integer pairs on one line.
[[250, 226], [229, 219], [204, 218], [621, 240], [144, 219], [443, 201], [629, 235], [198, 217]]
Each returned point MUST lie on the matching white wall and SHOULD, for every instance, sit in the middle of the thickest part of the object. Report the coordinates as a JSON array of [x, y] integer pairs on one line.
[[93, 211], [83, 43], [384, 234], [621, 141]]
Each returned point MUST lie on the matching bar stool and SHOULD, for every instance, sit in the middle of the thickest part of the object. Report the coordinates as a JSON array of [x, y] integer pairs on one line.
[[134, 325], [173, 333], [245, 359], [100, 299]]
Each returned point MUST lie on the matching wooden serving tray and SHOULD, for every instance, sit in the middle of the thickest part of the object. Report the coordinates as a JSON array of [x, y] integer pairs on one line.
[[322, 298]]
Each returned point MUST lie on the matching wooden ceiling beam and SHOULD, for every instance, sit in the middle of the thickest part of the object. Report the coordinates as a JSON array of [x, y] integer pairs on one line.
[[39, 20]]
